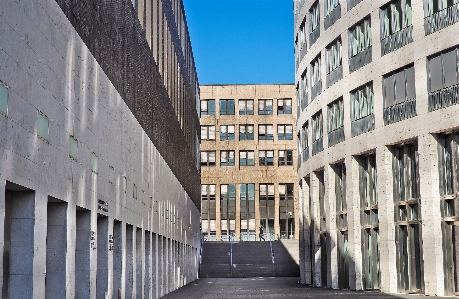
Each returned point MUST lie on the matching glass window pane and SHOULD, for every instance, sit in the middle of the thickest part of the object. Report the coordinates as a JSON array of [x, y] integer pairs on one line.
[[3, 99], [73, 147], [450, 68], [400, 87], [94, 163], [410, 85], [42, 126], [435, 74]]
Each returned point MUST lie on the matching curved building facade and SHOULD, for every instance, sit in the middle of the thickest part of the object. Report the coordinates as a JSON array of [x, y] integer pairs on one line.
[[377, 93]]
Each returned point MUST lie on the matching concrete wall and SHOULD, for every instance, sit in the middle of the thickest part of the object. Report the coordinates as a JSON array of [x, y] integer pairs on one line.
[[49, 69], [421, 128]]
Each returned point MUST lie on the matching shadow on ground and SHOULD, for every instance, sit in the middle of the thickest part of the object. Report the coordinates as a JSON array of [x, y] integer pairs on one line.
[[266, 287]]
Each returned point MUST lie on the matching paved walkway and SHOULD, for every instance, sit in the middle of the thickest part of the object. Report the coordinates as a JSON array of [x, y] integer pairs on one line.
[[273, 288]]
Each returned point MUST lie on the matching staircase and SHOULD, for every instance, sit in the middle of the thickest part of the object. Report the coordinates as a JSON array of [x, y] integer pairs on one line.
[[250, 259]]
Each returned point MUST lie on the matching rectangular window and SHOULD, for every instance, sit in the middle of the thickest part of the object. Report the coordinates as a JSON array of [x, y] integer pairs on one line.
[[330, 5], [304, 90], [362, 102], [333, 58], [335, 115], [207, 107], [395, 17], [266, 158], [134, 191], [3, 98], [111, 175], [342, 225], [314, 17], [284, 106], [227, 209], [207, 132], [246, 132], [226, 107], [265, 107], [124, 184], [226, 132], [284, 132], [247, 201], [265, 132], [208, 209], [315, 71], [227, 158], [208, 158], [360, 37], [317, 126], [442, 72], [73, 147], [246, 158], [267, 207], [286, 211], [94, 163], [245, 107], [433, 6], [285, 157], [42, 126]]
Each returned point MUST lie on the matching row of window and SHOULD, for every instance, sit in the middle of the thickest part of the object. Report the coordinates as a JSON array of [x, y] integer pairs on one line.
[[246, 107], [247, 158], [247, 191], [246, 132], [43, 134]]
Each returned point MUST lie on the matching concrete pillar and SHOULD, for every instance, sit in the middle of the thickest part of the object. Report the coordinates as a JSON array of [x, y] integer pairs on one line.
[[2, 229], [56, 253], [307, 222], [315, 221], [332, 240], [102, 256], [84, 241], [388, 264], [117, 267], [354, 228], [431, 215], [154, 265], [139, 263], [160, 259], [39, 244], [147, 270], [129, 280]]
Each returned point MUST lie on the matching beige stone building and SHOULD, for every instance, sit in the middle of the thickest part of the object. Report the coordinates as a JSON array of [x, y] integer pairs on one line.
[[377, 83], [248, 161]]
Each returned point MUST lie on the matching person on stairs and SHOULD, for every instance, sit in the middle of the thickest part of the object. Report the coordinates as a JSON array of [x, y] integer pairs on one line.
[[260, 235]]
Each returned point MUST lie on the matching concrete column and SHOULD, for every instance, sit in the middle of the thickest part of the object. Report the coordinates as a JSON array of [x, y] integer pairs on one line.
[[147, 271], [39, 244], [388, 264], [354, 228], [117, 268], [305, 257], [129, 280], [154, 265], [56, 253], [102, 256], [332, 240], [139, 262], [83, 245], [315, 221], [2, 228], [160, 258], [431, 216]]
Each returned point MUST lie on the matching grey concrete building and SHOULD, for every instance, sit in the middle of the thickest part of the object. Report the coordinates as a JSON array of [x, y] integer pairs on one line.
[[248, 170], [378, 192], [99, 179]]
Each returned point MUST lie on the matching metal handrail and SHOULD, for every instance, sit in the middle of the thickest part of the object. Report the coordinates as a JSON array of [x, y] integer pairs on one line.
[[231, 236], [271, 246]]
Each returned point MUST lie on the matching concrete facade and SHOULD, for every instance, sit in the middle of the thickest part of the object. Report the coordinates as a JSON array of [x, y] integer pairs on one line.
[[214, 175], [91, 203], [377, 188]]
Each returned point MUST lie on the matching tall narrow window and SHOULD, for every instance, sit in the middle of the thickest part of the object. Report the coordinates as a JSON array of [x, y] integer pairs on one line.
[[304, 90], [3, 98], [227, 210], [284, 132], [316, 79], [370, 222], [265, 107], [304, 142], [341, 226], [226, 107], [208, 212], [227, 158], [208, 158], [286, 211], [207, 107], [396, 25], [247, 200], [73, 147], [207, 132], [267, 207], [407, 217], [335, 122], [226, 132], [266, 158], [111, 175], [362, 109], [314, 23], [317, 133], [245, 107], [284, 106], [246, 158], [285, 157], [334, 62], [94, 163], [42, 126], [360, 43], [246, 132], [332, 12], [265, 132]]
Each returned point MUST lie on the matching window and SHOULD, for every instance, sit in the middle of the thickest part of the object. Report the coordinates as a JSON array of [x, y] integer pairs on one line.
[[395, 16], [314, 17], [111, 175], [284, 106], [333, 57], [284, 132], [208, 209], [42, 126], [245, 132], [228, 208], [335, 115], [315, 71], [267, 207], [286, 211], [285, 157], [304, 90], [73, 147], [124, 184], [342, 225], [245, 107], [3, 98], [317, 126], [266, 158], [226, 132], [207, 132], [208, 158], [265, 107], [94, 163], [360, 37], [433, 6], [362, 102], [226, 107], [330, 5], [134, 191], [265, 132], [443, 70], [303, 141], [227, 158], [207, 107], [246, 158], [247, 201], [303, 34]]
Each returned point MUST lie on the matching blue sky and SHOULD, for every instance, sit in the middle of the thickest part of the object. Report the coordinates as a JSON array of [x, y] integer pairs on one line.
[[242, 41]]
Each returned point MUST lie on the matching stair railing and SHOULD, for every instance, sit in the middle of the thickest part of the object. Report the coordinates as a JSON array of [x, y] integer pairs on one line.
[[271, 246], [231, 253]]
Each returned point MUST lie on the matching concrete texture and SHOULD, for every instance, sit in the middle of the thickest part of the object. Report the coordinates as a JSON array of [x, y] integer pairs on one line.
[[274, 288]]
